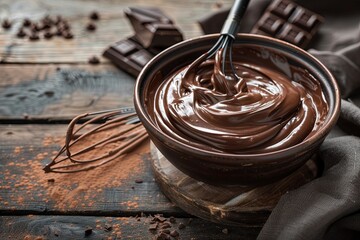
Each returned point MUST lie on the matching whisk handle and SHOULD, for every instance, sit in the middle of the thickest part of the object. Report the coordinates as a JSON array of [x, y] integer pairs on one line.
[[232, 22]]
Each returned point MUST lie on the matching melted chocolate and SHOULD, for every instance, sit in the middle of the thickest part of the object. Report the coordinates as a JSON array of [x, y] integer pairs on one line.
[[261, 110]]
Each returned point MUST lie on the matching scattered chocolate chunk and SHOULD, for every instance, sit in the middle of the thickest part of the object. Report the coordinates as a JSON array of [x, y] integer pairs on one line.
[[172, 220], [132, 187], [152, 27], [108, 227], [48, 35], [21, 33], [165, 225], [27, 22], [34, 36], [138, 181], [94, 15], [225, 231], [88, 231], [51, 180], [162, 236], [6, 24], [159, 217], [94, 60], [9, 133], [167, 231], [153, 226], [68, 35], [91, 27], [129, 55], [181, 226], [174, 233]]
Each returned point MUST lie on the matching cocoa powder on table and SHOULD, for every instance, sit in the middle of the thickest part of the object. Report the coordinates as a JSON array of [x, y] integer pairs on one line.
[[70, 191]]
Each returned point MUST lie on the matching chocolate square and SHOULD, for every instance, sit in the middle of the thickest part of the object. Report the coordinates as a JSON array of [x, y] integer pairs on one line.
[[153, 28]]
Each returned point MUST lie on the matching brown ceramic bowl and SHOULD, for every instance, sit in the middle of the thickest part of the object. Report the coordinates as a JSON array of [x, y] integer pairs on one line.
[[234, 169]]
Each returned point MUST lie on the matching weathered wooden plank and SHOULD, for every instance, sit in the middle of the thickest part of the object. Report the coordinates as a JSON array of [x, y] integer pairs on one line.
[[109, 190], [62, 91], [73, 227], [112, 26]]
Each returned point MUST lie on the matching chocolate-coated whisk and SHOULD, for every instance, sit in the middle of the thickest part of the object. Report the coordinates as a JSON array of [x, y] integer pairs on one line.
[[228, 34]]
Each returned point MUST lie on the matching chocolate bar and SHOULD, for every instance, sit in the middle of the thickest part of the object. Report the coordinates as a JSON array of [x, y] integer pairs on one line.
[[288, 21], [153, 29], [129, 55]]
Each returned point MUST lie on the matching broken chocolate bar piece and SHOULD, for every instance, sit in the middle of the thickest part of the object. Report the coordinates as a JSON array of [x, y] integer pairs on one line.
[[153, 28], [129, 55], [288, 21]]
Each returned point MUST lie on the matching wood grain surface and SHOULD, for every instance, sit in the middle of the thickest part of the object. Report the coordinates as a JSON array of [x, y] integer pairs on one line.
[[112, 26], [61, 91], [73, 227]]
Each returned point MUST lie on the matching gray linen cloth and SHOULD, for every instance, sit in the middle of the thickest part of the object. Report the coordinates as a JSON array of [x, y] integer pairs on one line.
[[329, 206]]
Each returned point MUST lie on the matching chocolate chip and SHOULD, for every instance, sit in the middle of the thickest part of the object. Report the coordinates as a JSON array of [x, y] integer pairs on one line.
[[153, 226], [162, 236], [174, 233], [21, 33], [159, 217], [91, 27], [9, 133], [225, 231], [138, 181], [165, 225], [181, 226], [68, 35], [34, 36], [26, 22], [172, 220], [94, 15], [94, 60], [132, 187], [88, 231], [48, 35], [6, 24], [51, 180]]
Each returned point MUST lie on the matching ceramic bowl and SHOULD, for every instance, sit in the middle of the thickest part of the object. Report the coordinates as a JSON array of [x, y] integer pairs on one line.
[[226, 168]]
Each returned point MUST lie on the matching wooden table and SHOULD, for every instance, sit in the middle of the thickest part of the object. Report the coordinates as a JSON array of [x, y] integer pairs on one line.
[[43, 85]]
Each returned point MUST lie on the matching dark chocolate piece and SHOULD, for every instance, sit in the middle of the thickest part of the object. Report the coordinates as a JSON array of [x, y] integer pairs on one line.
[[153, 28], [91, 27], [288, 21], [6, 24], [94, 15], [21, 33], [213, 23], [129, 55], [94, 60]]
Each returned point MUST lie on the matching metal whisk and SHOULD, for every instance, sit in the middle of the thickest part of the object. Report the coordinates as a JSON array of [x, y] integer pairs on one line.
[[223, 47], [119, 131]]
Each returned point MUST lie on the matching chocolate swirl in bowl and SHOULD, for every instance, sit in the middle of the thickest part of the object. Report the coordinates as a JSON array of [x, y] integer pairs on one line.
[[267, 110]]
